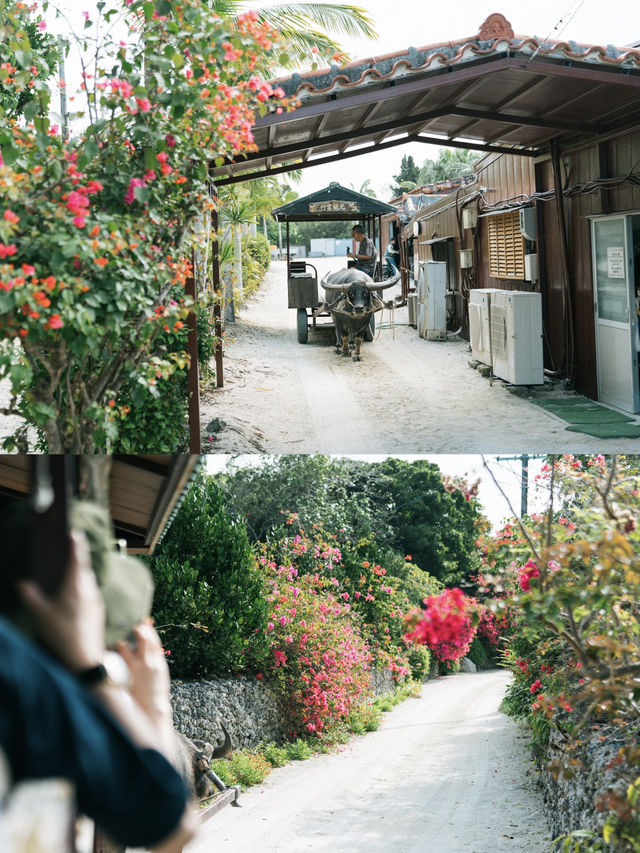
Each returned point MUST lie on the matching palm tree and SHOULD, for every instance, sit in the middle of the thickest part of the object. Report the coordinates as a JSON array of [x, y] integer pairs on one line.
[[366, 188], [451, 163], [305, 27]]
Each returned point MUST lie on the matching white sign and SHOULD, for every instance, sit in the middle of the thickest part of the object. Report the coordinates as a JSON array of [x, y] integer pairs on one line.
[[333, 207], [615, 262]]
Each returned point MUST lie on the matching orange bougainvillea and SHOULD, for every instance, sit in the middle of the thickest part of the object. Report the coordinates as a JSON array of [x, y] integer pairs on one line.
[[96, 232]]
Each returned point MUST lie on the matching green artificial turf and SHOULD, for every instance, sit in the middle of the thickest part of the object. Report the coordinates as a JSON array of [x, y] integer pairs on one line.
[[585, 416]]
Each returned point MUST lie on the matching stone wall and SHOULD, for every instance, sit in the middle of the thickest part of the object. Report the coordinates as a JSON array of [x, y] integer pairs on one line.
[[571, 789], [246, 706]]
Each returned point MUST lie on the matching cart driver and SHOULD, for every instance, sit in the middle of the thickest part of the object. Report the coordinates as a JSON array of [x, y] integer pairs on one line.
[[365, 253]]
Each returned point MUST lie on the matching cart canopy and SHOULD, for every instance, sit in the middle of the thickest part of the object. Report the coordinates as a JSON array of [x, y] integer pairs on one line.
[[336, 203]]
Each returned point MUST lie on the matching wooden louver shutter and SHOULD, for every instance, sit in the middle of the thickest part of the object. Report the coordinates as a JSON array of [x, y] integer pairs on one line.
[[506, 246]]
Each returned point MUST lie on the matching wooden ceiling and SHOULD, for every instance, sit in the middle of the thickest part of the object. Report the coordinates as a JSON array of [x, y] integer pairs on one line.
[[144, 492]]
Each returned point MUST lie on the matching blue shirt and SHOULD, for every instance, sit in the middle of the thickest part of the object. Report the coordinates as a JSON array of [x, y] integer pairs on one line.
[[52, 727]]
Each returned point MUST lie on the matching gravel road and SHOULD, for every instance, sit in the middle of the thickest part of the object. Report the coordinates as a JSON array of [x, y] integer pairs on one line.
[[444, 773], [407, 395]]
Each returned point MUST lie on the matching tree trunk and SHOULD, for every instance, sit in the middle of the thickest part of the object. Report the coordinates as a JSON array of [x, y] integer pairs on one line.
[[237, 253]]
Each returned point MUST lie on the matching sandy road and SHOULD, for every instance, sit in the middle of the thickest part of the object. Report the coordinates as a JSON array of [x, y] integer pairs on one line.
[[444, 773], [408, 395]]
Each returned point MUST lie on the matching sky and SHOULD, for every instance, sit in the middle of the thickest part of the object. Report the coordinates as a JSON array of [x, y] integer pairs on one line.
[[417, 23], [496, 507]]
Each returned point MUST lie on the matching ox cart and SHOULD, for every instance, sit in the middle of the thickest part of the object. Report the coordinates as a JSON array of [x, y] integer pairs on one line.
[[334, 203], [304, 298]]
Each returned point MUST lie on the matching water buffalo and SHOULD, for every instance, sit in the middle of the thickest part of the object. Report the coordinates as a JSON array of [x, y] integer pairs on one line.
[[354, 304]]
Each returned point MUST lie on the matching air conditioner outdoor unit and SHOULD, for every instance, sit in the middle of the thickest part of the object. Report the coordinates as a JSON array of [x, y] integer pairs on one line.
[[466, 258], [516, 337], [432, 303], [479, 305]]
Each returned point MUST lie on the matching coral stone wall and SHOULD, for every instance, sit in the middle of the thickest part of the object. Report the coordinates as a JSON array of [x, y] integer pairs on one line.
[[247, 707], [572, 793]]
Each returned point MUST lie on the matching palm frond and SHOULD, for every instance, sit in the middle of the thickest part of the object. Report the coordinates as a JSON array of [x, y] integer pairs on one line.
[[344, 18], [225, 8], [300, 44]]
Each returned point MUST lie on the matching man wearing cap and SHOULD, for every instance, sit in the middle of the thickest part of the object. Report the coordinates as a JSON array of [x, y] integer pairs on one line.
[[365, 251], [64, 717]]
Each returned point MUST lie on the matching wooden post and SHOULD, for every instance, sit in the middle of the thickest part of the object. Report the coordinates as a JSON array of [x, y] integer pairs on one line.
[[217, 310], [193, 375]]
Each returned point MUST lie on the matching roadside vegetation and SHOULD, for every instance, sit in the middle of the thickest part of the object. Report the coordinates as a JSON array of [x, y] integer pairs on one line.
[[312, 607], [303, 579], [569, 580], [105, 219]]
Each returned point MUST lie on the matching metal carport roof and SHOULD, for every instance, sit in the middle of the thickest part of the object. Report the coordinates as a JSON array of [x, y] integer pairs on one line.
[[492, 92]]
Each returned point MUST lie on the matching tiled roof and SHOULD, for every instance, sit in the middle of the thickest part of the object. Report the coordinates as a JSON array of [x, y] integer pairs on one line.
[[495, 37]]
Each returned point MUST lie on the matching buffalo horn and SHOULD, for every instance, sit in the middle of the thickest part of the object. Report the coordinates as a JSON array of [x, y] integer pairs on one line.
[[334, 288], [388, 282], [223, 750]]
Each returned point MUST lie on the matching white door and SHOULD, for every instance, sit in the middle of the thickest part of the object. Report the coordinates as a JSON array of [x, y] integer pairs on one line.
[[616, 353]]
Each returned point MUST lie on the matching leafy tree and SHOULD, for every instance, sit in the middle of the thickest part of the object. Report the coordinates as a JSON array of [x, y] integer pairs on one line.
[[96, 233], [394, 505], [209, 604], [407, 178], [451, 163], [335, 493], [436, 527]]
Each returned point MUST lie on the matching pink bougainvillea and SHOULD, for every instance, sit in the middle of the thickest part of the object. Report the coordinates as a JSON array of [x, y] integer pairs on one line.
[[447, 624]]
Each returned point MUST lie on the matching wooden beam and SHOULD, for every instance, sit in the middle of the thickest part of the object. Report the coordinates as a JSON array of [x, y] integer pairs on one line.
[[321, 161], [217, 311], [193, 373]]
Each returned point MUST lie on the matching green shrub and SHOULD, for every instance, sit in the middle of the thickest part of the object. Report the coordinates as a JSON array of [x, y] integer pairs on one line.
[[298, 750], [157, 420], [259, 249], [209, 604], [256, 258], [366, 718], [478, 653], [448, 667], [242, 768], [420, 662], [275, 755]]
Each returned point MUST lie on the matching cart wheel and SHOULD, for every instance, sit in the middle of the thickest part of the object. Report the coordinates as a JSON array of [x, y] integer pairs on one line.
[[370, 331], [303, 328]]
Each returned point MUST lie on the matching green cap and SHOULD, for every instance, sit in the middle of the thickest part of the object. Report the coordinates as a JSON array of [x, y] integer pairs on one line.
[[125, 582]]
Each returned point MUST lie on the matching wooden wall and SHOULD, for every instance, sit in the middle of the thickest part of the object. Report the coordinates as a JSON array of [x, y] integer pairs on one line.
[[567, 311]]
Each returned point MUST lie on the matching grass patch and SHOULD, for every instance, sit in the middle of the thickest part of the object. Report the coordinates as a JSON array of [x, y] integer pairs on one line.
[[243, 768], [275, 755], [298, 750]]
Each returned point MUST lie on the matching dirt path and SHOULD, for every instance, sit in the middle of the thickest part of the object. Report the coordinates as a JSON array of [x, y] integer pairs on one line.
[[444, 773], [407, 395]]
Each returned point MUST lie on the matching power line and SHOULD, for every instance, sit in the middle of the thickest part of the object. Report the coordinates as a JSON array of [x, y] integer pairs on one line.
[[571, 15]]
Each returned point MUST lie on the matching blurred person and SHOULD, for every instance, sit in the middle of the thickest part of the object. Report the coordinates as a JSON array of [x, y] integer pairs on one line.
[[391, 259], [63, 716]]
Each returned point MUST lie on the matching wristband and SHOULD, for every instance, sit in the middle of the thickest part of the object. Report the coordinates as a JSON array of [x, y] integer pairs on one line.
[[93, 675]]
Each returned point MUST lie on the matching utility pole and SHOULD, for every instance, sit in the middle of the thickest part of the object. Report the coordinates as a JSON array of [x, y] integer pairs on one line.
[[524, 460], [64, 115]]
